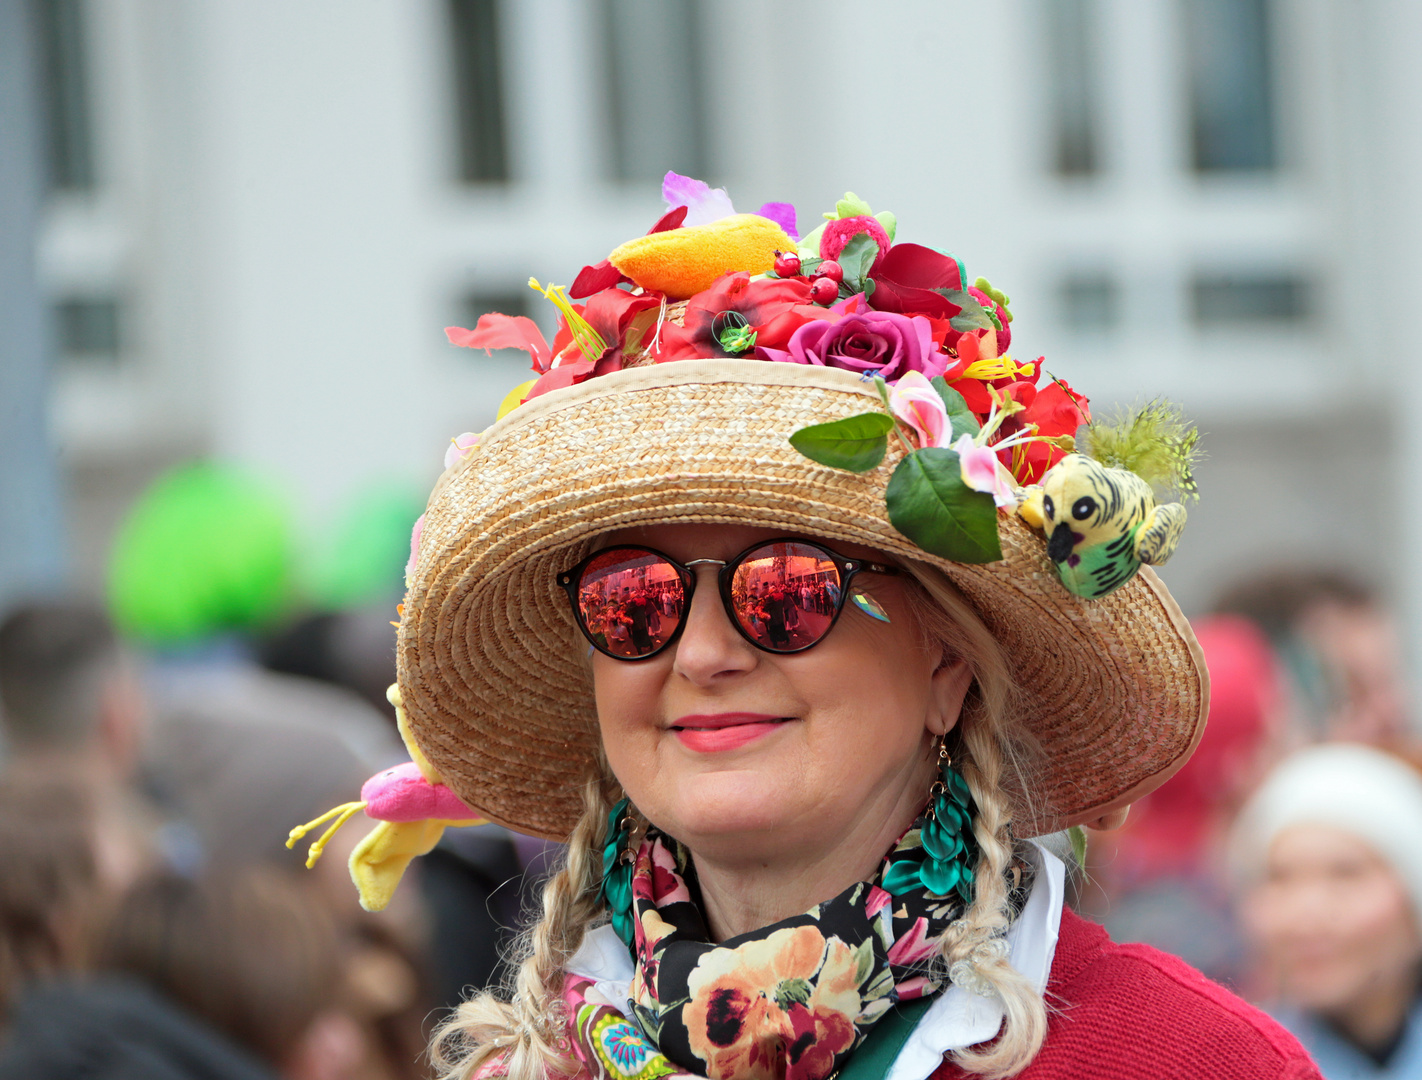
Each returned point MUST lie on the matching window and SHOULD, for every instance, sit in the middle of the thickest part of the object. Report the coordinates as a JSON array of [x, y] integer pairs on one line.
[[656, 106], [1073, 93], [88, 329], [1221, 300], [1231, 99], [479, 92], [69, 146], [506, 303], [1090, 302]]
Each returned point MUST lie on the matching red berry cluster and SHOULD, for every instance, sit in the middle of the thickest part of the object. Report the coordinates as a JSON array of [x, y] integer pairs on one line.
[[824, 289]]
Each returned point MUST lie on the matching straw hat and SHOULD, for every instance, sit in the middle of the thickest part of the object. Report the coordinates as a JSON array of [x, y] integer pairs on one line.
[[491, 669]]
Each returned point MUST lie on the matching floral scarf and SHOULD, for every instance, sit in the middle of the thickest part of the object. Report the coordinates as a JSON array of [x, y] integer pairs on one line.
[[791, 1001]]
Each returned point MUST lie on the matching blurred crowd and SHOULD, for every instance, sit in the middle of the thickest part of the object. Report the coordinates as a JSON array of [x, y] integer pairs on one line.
[[1285, 858], [158, 747]]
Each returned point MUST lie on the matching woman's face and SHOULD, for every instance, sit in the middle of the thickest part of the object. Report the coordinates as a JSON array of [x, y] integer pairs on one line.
[[1332, 919], [743, 754]]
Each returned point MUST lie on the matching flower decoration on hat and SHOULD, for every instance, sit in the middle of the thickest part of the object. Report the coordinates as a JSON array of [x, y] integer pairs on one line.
[[982, 432]]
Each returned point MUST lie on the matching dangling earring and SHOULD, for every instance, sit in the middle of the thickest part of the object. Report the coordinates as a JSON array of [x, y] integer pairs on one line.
[[944, 863], [617, 860]]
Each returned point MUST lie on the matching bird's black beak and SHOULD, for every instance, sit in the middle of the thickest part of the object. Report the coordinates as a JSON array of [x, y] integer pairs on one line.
[[1059, 546]]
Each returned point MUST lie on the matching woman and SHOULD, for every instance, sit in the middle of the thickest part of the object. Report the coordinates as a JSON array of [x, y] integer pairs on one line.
[[803, 856], [1329, 854]]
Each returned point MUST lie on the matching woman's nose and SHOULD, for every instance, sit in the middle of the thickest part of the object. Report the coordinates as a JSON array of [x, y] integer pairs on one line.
[[709, 647]]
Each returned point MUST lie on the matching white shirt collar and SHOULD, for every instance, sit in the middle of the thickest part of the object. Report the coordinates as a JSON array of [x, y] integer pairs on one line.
[[955, 1020]]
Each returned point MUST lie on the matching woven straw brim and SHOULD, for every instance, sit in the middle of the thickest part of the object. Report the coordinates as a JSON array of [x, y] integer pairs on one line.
[[491, 668]]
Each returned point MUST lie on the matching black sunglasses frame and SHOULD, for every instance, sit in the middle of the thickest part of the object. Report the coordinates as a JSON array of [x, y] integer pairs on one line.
[[571, 579]]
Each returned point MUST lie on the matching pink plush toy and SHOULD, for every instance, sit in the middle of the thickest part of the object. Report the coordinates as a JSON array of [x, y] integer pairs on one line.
[[403, 794]]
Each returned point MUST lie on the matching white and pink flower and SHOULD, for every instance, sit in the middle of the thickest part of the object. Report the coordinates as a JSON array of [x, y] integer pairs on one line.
[[982, 471], [914, 401]]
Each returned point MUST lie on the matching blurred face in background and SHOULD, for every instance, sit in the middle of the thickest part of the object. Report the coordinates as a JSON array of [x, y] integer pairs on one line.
[[1332, 921]]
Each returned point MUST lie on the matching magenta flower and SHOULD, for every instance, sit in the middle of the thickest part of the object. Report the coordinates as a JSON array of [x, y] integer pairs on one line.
[[879, 343], [914, 946], [705, 204], [914, 401]]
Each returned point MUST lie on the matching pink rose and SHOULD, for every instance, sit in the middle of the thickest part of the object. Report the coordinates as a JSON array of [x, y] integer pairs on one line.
[[880, 343]]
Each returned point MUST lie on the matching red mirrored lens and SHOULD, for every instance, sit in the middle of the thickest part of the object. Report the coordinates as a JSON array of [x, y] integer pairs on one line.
[[785, 595], [630, 601]]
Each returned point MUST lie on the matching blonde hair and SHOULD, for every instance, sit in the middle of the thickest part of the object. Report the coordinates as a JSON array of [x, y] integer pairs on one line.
[[529, 1026]]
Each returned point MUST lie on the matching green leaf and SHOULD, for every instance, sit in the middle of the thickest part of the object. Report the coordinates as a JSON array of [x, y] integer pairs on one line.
[[958, 411], [856, 443], [972, 317], [889, 222], [851, 206], [809, 245], [1077, 835], [863, 960], [856, 259], [930, 504]]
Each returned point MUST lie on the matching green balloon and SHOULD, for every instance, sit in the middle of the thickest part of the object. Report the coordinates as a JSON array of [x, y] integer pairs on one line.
[[363, 560], [205, 549]]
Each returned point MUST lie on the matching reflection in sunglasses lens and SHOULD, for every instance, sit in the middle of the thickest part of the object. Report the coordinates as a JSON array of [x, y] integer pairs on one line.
[[631, 601], [785, 595]]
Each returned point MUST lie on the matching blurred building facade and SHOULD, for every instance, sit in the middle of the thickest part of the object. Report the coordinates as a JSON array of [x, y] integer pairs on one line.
[[262, 214]]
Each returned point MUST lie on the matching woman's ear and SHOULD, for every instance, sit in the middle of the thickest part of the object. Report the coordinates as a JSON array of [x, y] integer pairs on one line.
[[948, 688]]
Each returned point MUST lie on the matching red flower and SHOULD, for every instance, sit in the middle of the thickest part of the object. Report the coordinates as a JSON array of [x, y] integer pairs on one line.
[[622, 320], [999, 314], [1056, 409], [773, 308], [909, 277]]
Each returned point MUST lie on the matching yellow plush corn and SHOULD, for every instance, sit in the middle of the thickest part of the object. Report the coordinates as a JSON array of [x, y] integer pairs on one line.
[[683, 262]]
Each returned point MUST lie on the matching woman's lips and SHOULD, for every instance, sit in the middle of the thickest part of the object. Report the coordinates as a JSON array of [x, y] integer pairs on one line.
[[724, 731]]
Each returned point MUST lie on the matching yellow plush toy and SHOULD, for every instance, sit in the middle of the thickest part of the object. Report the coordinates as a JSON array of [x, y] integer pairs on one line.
[[683, 262], [413, 809]]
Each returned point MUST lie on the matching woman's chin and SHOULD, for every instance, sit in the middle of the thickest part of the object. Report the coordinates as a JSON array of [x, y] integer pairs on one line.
[[730, 805]]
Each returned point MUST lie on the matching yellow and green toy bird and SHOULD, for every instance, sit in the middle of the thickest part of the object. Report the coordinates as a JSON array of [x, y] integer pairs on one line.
[[1101, 515], [1101, 524]]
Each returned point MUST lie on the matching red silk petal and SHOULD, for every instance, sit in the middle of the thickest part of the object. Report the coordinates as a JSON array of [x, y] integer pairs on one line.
[[595, 278], [495, 331], [672, 219]]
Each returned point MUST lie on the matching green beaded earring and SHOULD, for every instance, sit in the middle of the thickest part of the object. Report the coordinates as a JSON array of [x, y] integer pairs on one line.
[[944, 862], [617, 860]]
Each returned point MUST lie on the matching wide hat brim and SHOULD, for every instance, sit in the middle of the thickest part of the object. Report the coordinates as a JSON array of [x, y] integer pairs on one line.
[[491, 669]]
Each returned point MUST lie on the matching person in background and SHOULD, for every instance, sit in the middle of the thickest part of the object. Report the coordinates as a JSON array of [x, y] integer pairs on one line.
[[72, 710], [1339, 647], [231, 977], [1328, 858], [51, 897], [1157, 879]]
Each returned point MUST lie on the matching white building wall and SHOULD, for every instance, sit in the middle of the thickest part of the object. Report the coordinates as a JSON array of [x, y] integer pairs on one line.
[[279, 204]]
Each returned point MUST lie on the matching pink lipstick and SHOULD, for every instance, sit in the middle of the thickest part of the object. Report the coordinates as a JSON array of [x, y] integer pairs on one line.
[[711, 733]]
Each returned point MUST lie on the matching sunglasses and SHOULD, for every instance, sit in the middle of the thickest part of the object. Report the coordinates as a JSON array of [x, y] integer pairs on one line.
[[783, 596]]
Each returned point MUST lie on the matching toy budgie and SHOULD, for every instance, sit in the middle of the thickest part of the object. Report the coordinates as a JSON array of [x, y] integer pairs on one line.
[[1101, 515]]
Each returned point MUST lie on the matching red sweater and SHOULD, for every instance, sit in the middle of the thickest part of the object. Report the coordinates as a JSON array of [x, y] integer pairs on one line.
[[1135, 1013]]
